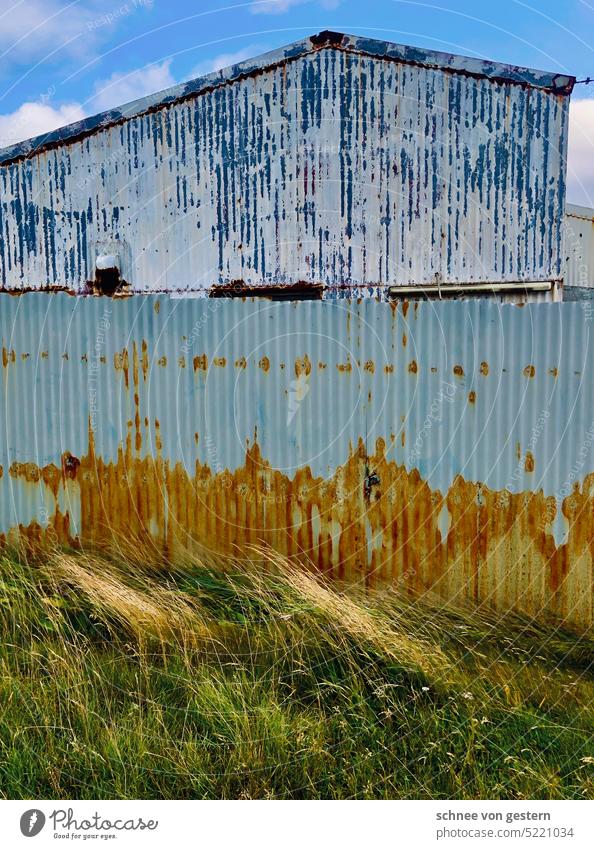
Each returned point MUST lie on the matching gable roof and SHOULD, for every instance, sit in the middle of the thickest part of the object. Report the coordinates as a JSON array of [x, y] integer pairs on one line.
[[560, 84]]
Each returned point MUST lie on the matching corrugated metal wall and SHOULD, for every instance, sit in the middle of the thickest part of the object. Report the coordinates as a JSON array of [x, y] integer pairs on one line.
[[579, 252], [334, 166], [436, 445]]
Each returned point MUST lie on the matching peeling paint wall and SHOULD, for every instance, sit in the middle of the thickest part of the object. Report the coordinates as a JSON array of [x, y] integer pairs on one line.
[[437, 446], [356, 164]]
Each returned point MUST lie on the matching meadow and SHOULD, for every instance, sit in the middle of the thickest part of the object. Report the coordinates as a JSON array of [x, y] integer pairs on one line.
[[125, 676]]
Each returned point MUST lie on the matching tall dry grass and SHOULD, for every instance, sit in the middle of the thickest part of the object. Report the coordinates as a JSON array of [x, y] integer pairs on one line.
[[125, 676]]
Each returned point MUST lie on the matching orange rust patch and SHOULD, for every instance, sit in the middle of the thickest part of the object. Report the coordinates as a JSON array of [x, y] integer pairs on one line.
[[144, 358], [412, 367], [529, 462], [121, 363], [405, 306], [162, 361], [220, 362], [370, 366], [553, 372], [44, 355], [471, 396], [241, 363], [458, 371], [321, 365], [7, 357], [484, 368], [264, 364], [529, 371], [182, 361], [303, 366], [389, 368], [404, 340], [344, 367], [200, 362]]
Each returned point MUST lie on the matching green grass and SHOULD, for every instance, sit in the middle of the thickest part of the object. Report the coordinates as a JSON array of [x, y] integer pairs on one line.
[[126, 678]]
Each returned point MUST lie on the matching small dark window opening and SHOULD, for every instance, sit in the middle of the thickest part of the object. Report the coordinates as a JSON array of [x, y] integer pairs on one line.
[[293, 292], [107, 281]]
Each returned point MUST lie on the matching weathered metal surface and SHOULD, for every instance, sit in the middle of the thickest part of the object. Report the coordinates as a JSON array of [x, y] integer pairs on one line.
[[340, 161], [579, 252], [444, 446]]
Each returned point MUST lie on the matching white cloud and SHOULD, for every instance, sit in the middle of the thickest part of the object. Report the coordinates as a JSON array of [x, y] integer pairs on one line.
[[224, 60], [580, 160], [51, 29], [34, 119], [279, 7], [121, 88]]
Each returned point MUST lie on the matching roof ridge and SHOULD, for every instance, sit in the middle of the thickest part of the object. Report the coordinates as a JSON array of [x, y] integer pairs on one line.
[[559, 84]]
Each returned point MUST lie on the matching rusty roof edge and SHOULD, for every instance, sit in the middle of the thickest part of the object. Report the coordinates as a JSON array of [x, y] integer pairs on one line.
[[574, 210], [557, 83]]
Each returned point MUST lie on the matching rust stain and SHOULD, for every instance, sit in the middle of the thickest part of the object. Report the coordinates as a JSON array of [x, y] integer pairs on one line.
[[303, 366], [370, 366], [241, 363], [264, 364], [321, 365], [64, 356], [404, 340], [458, 371], [471, 396], [345, 367], [554, 372], [157, 307], [182, 361], [144, 359], [7, 357], [389, 368], [220, 362], [474, 555], [405, 306], [412, 367], [484, 368], [24, 356], [122, 363], [200, 362], [44, 355], [529, 371], [529, 462]]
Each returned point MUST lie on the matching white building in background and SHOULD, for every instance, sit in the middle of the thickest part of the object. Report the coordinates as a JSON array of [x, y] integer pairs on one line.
[[579, 253]]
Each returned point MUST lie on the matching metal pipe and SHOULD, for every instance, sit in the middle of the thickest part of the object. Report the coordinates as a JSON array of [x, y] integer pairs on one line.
[[453, 288]]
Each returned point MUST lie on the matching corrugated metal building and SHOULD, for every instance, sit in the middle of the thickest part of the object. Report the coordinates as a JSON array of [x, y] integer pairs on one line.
[[579, 253], [439, 446], [340, 162]]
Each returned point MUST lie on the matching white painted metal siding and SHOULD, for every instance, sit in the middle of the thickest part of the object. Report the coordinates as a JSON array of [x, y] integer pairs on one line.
[[331, 166]]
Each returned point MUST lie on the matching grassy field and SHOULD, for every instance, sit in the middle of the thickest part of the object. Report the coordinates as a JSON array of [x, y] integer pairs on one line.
[[120, 679]]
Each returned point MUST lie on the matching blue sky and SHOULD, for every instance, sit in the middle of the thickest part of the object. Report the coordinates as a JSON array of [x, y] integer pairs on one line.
[[63, 60]]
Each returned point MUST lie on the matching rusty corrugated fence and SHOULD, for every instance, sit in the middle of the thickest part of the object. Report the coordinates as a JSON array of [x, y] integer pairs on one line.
[[443, 446]]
